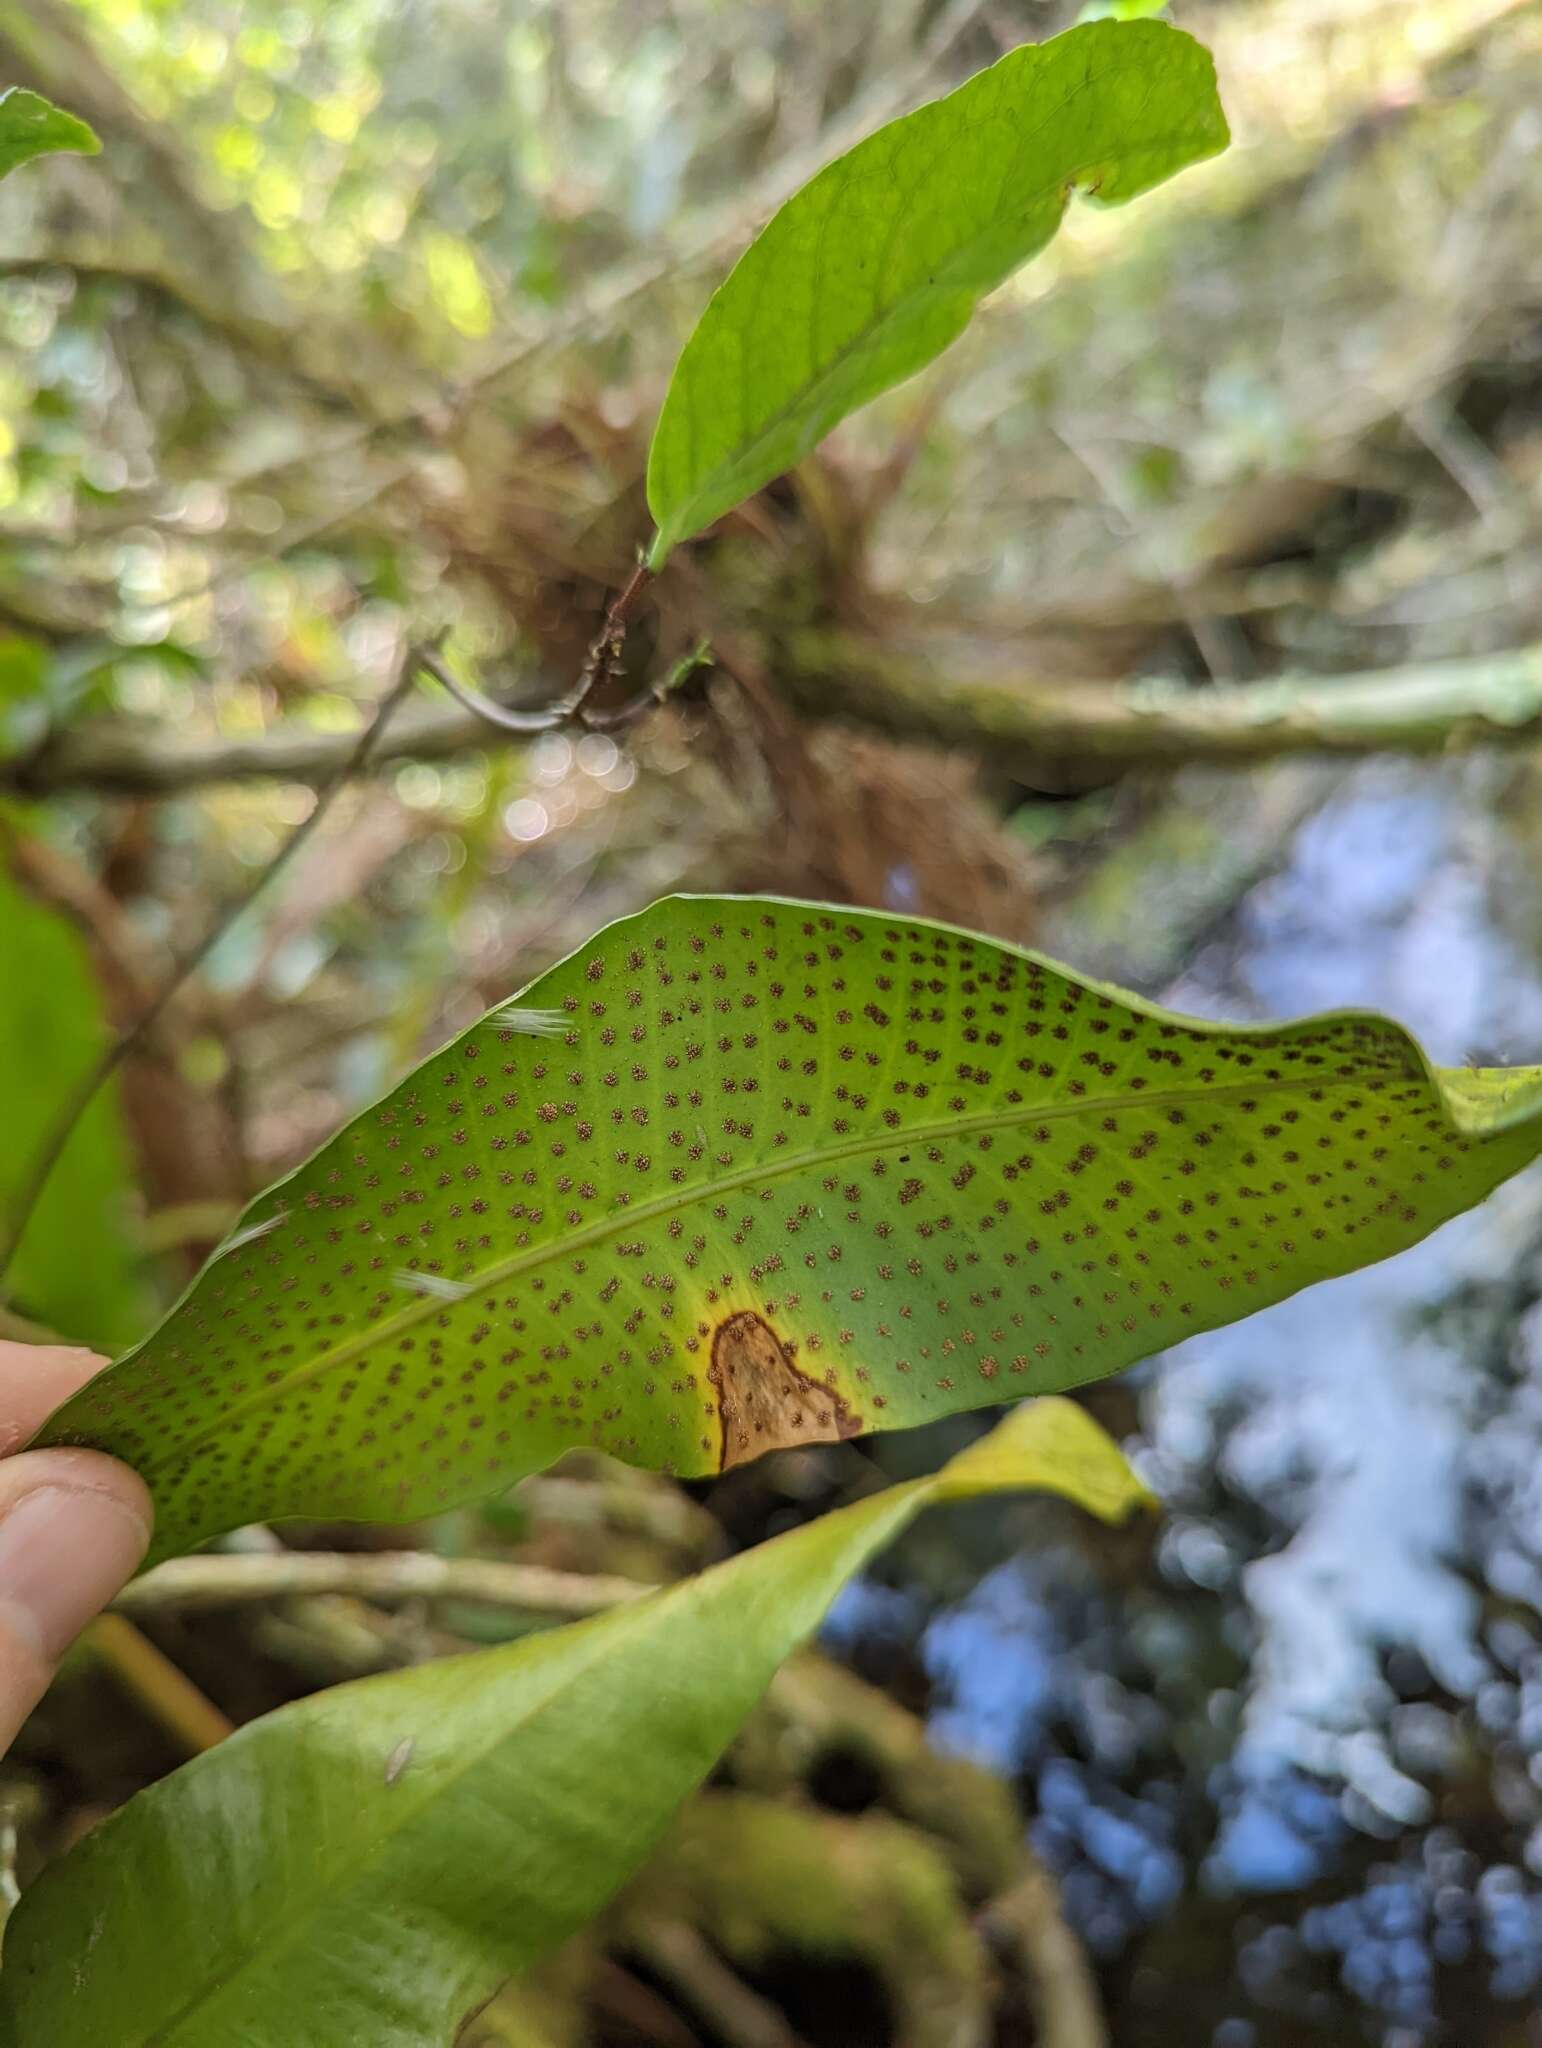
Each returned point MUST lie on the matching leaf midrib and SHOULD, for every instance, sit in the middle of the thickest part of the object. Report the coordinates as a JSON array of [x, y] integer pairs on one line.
[[421, 1309], [881, 1512]]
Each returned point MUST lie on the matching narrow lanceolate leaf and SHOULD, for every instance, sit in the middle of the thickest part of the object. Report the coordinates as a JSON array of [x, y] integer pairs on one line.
[[32, 126], [877, 264], [367, 1865], [789, 1173]]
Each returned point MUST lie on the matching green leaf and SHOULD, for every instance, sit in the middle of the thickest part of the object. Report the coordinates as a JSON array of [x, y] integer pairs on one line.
[[76, 1270], [24, 695], [742, 1173], [370, 1863], [878, 263], [32, 126]]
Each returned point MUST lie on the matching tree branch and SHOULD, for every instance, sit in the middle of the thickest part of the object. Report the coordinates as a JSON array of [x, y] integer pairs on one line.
[[386, 1577], [1423, 708], [1426, 707], [128, 760], [1028, 1918]]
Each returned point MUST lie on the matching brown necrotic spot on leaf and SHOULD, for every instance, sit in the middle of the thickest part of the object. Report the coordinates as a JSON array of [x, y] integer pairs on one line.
[[764, 1402]]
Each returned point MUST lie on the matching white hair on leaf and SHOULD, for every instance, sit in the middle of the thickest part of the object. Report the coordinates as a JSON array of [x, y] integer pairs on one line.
[[251, 1233], [411, 1281], [529, 1023]]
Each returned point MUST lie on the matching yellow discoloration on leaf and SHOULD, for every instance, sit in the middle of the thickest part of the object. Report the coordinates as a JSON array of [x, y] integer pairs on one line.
[[871, 1170]]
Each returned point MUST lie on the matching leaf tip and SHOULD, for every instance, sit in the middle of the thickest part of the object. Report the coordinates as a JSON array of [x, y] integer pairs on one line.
[[1051, 1444]]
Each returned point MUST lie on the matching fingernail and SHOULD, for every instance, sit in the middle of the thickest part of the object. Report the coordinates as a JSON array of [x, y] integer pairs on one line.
[[64, 1552]]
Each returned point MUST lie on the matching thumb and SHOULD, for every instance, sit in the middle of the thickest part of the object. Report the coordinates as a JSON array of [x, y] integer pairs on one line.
[[73, 1527]]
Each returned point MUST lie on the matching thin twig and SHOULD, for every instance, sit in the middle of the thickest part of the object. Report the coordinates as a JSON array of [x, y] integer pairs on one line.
[[505, 716], [51, 1150], [602, 665], [386, 1577], [599, 718], [604, 657]]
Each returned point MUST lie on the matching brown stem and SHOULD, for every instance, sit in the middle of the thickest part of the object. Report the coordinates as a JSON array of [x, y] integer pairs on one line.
[[610, 642], [601, 667]]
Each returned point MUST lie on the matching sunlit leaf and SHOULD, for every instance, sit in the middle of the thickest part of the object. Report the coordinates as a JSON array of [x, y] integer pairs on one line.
[[877, 264], [455, 280], [372, 1862], [790, 1173], [32, 126]]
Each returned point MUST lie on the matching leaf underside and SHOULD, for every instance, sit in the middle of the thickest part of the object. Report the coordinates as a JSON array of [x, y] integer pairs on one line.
[[365, 1865], [876, 265], [789, 1172]]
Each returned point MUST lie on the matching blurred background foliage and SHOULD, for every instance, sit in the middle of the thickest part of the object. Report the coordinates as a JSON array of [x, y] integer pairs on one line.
[[357, 330]]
